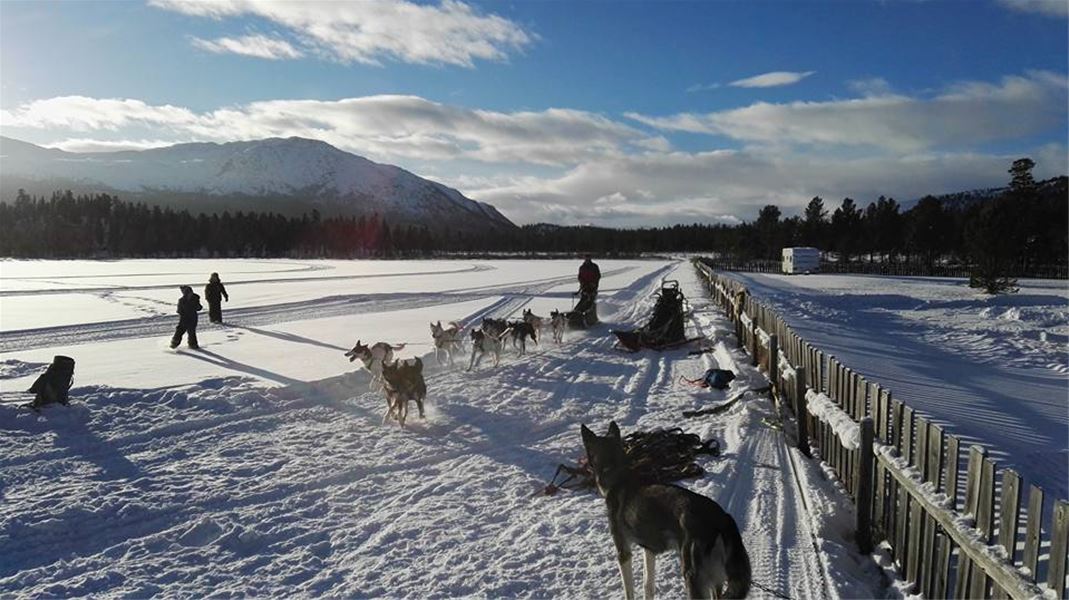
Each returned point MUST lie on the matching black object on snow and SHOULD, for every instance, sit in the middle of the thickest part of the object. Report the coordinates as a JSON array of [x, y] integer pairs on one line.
[[54, 384], [585, 314], [665, 326], [658, 456]]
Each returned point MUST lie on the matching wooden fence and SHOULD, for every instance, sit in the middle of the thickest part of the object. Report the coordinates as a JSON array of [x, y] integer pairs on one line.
[[956, 525]]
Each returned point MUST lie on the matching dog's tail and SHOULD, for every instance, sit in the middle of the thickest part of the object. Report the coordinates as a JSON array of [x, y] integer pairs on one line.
[[507, 331], [737, 568], [400, 346]]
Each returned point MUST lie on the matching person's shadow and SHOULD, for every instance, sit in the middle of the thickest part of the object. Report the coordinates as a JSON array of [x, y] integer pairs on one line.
[[221, 361]]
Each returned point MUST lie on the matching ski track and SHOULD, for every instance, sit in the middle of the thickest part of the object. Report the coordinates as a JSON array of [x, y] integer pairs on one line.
[[237, 283], [332, 306], [227, 488]]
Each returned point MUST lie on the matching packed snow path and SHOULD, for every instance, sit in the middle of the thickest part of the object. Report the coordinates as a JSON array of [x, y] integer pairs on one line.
[[990, 369], [228, 487]]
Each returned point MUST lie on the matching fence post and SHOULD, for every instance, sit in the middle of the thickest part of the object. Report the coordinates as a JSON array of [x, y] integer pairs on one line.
[[800, 412], [753, 341], [864, 488], [773, 366]]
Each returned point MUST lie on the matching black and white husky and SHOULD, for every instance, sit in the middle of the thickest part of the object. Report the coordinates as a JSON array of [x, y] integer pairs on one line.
[[662, 517], [483, 343], [373, 357]]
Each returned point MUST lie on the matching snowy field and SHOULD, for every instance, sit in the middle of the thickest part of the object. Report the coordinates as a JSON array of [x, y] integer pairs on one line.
[[259, 465], [993, 370]]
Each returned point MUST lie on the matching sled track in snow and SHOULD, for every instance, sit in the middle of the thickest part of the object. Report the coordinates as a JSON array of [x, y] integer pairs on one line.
[[319, 308], [232, 284]]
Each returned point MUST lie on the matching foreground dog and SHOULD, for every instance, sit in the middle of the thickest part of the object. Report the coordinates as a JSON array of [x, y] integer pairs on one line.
[[662, 517], [558, 322], [373, 357], [403, 382], [483, 343], [447, 340]]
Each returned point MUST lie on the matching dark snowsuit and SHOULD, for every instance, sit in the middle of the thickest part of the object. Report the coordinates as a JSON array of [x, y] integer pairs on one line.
[[214, 293], [589, 276], [188, 305]]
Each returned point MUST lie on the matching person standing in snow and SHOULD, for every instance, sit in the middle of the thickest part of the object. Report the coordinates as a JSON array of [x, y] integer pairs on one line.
[[188, 306], [215, 293], [589, 277]]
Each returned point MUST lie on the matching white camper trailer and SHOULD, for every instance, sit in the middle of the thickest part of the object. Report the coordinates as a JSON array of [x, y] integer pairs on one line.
[[801, 260]]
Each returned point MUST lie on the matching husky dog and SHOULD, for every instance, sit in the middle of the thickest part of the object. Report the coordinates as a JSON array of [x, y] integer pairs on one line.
[[558, 321], [662, 517], [536, 321], [446, 339], [519, 331], [403, 382], [481, 343], [494, 327], [373, 357]]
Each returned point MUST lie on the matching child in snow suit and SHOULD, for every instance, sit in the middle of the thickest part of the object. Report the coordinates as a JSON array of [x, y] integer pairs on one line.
[[215, 293], [188, 306]]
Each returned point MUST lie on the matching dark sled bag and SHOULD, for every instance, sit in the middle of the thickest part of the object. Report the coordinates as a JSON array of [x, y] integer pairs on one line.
[[665, 327], [54, 384], [585, 314]]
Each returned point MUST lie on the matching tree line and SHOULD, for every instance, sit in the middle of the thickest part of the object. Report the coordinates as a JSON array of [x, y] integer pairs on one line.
[[1020, 230]]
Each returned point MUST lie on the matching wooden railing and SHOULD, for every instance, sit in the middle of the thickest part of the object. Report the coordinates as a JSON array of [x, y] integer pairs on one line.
[[948, 534]]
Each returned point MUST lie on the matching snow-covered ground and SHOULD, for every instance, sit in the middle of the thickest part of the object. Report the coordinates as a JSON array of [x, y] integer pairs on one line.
[[260, 466], [991, 369]]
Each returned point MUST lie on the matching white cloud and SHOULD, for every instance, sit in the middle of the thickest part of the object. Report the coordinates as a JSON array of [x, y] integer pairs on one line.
[[702, 87], [963, 115], [82, 113], [773, 79], [730, 186], [259, 46], [383, 127], [94, 145], [872, 86], [451, 33], [1053, 8]]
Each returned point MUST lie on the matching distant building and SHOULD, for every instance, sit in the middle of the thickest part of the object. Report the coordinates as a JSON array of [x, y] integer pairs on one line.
[[801, 260]]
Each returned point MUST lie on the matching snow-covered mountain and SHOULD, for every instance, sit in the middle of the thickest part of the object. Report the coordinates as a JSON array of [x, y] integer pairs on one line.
[[275, 174]]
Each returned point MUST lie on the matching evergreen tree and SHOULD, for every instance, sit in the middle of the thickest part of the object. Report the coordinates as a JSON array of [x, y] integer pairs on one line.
[[814, 223]]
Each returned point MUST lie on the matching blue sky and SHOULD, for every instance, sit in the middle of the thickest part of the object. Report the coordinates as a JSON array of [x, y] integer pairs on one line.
[[619, 113]]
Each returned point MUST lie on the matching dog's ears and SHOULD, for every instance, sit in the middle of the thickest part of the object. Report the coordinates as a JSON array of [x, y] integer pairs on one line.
[[589, 437], [614, 430]]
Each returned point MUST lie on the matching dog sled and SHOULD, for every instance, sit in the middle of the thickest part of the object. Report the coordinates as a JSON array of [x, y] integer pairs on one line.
[[665, 328], [658, 456], [585, 314]]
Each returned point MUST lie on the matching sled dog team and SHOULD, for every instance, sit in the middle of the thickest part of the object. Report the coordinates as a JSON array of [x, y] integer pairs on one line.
[[402, 380]]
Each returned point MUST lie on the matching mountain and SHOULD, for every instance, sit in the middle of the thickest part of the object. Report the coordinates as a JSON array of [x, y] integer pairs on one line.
[[288, 176], [1055, 186]]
